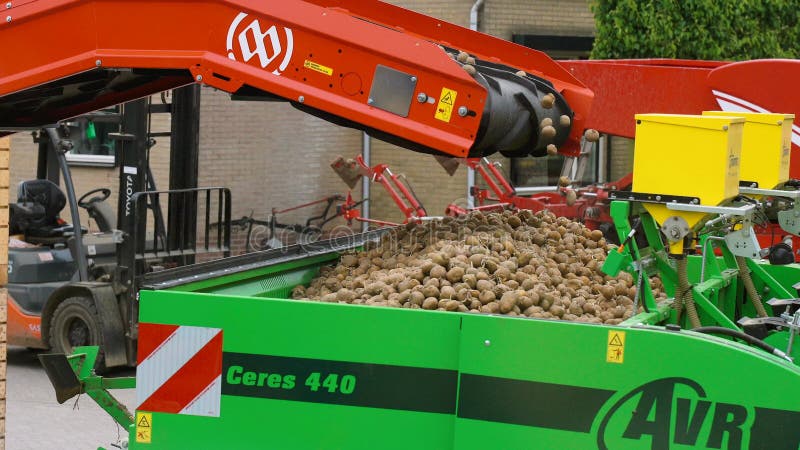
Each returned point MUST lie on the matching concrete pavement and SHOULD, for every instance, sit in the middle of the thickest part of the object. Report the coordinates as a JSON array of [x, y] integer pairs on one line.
[[36, 421]]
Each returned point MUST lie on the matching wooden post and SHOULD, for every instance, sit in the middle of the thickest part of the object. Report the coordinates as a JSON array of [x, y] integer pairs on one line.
[[5, 147]]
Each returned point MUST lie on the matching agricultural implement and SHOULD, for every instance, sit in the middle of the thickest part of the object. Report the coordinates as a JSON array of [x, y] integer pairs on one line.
[[664, 378], [226, 360]]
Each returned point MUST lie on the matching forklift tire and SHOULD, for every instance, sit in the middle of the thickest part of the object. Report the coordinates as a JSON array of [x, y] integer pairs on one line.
[[75, 323]]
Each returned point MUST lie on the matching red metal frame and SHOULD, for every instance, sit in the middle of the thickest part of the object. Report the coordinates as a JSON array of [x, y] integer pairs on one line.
[[591, 205], [318, 53], [397, 189], [350, 212], [624, 88]]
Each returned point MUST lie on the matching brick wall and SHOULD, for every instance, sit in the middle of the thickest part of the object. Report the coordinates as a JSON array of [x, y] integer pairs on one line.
[[4, 154], [270, 155]]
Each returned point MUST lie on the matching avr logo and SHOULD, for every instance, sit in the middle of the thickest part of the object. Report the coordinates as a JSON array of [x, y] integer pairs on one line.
[[669, 412], [273, 46]]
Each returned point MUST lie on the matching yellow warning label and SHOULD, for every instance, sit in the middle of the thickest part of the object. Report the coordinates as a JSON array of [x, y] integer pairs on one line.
[[318, 67], [447, 101], [144, 427], [616, 347]]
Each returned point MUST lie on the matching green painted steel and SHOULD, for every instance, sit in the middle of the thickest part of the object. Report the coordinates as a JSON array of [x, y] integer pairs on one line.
[[716, 288], [96, 387], [308, 375], [262, 282], [445, 380]]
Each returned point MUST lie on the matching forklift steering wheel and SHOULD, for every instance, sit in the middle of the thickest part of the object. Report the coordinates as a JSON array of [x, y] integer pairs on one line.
[[104, 194]]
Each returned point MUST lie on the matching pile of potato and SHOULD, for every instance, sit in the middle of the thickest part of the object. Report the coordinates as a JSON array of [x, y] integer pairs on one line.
[[514, 263]]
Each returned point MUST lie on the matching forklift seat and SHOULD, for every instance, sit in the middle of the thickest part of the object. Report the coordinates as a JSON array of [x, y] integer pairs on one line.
[[46, 199]]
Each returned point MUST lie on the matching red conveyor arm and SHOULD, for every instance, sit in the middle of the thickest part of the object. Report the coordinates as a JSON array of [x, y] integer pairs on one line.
[[354, 62]]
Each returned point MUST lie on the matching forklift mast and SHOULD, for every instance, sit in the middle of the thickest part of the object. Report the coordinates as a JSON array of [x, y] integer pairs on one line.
[[133, 163]]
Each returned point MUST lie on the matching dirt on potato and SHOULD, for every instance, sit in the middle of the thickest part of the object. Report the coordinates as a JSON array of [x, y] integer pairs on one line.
[[512, 263]]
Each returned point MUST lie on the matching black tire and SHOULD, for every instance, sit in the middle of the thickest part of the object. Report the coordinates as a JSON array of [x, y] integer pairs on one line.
[[75, 323]]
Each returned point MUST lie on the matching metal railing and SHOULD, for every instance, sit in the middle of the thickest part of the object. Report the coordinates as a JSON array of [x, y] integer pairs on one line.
[[215, 203]]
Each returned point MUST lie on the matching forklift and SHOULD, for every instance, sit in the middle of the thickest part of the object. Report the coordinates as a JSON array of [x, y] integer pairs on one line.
[[68, 287]]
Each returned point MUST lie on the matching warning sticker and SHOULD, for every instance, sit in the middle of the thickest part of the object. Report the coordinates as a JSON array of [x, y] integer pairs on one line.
[[318, 67], [616, 347], [447, 101], [144, 427]]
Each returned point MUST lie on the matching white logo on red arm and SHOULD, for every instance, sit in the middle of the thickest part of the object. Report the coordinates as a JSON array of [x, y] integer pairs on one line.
[[269, 45], [730, 103]]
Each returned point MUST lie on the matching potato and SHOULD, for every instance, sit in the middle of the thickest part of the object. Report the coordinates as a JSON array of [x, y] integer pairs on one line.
[[484, 285], [345, 295], [508, 301], [438, 271], [431, 291], [417, 298], [491, 308], [447, 292], [510, 262], [430, 303], [450, 305], [455, 275], [487, 297]]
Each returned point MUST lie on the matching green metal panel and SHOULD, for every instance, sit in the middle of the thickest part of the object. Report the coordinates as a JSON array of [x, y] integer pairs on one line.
[[316, 333], [250, 282], [563, 359], [439, 380]]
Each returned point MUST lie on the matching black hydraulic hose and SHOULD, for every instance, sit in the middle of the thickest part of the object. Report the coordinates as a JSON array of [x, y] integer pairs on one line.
[[752, 293], [743, 336]]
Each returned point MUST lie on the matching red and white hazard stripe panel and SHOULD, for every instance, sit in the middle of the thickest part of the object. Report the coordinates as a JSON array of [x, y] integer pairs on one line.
[[180, 369]]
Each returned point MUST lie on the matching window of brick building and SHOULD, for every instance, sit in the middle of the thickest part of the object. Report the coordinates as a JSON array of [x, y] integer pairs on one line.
[[91, 143]]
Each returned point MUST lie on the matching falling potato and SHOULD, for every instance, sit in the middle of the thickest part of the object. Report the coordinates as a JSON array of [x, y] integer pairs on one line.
[[592, 135], [572, 197]]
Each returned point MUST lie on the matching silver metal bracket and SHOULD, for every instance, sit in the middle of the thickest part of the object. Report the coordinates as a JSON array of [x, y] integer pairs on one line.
[[743, 243], [789, 219], [675, 228], [794, 195], [745, 210], [793, 322]]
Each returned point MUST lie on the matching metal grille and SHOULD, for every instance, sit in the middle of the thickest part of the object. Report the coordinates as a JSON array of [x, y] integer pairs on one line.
[[211, 234]]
